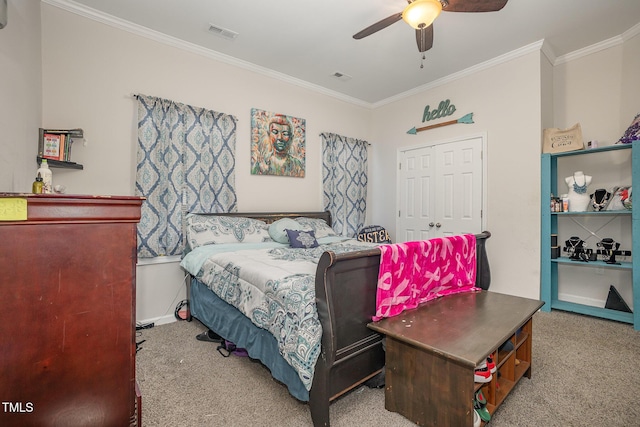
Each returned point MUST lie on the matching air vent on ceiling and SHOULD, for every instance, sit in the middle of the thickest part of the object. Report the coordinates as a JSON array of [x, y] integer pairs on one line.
[[341, 76], [222, 32]]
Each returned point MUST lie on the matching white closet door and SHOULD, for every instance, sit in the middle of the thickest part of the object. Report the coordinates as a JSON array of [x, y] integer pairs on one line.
[[416, 195], [458, 187], [440, 190]]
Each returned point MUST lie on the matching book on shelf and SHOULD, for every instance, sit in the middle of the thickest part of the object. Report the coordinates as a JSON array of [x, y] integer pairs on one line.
[[52, 145], [55, 144]]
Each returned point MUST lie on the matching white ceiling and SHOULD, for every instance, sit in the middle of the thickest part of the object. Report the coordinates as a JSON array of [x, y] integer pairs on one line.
[[309, 41]]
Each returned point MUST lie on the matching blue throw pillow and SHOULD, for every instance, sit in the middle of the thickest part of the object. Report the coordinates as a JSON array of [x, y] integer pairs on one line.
[[302, 239]]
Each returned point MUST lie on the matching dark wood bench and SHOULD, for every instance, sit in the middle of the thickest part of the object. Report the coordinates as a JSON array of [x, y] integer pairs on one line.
[[432, 351]]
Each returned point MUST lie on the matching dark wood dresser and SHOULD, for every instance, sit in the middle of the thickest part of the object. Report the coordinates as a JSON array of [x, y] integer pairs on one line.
[[67, 324]]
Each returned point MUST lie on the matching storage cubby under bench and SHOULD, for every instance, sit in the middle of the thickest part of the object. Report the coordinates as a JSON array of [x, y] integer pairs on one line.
[[432, 351]]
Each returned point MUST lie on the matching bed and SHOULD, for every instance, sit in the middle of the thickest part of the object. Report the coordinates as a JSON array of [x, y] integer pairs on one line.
[[332, 351]]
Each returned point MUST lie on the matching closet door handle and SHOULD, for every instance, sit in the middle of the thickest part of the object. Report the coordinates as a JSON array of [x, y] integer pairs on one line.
[[438, 225], [431, 224]]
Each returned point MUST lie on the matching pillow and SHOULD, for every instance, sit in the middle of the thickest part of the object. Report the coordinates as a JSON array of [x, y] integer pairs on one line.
[[302, 239], [277, 230], [318, 225], [208, 230], [632, 133]]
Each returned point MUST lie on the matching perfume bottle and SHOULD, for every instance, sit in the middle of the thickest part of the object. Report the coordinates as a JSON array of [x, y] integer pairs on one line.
[[36, 188]]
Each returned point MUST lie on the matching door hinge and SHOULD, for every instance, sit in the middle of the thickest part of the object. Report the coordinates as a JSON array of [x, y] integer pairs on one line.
[[399, 166], [398, 214]]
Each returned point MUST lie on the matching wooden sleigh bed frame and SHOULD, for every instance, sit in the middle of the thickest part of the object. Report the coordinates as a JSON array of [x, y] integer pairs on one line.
[[345, 285]]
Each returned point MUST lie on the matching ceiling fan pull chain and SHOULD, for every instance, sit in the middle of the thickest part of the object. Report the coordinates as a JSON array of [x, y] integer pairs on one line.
[[422, 61]]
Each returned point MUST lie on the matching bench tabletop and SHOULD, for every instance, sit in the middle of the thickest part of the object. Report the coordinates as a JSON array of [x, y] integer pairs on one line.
[[463, 327]]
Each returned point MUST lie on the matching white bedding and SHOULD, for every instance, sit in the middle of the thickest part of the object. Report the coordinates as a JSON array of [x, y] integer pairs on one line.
[[274, 286]]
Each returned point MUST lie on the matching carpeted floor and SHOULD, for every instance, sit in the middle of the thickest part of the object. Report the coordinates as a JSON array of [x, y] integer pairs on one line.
[[586, 372]]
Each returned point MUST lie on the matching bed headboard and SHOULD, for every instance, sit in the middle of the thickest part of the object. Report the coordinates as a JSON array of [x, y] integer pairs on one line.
[[270, 217]]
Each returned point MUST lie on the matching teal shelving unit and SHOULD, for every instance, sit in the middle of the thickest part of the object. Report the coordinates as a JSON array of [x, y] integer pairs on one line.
[[549, 225]]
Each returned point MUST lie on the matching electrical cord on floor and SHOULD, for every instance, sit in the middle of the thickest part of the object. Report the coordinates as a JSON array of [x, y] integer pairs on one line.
[[182, 304], [140, 326], [176, 313], [139, 343]]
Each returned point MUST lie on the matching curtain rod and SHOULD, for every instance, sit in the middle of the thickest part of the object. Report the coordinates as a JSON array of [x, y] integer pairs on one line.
[[342, 136]]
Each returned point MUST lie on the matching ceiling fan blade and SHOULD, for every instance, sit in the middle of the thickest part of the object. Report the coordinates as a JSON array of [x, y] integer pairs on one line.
[[424, 37], [378, 26], [474, 5]]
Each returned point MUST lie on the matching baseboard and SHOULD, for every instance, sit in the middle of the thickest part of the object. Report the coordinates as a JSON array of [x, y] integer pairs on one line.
[[162, 320], [581, 300]]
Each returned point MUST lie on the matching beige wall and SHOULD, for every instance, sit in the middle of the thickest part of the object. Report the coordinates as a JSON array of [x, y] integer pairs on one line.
[[598, 89], [20, 96], [88, 81], [90, 70], [630, 81], [589, 91], [505, 100]]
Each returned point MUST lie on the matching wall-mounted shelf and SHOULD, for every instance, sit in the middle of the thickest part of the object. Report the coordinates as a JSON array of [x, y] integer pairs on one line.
[[55, 146], [60, 164]]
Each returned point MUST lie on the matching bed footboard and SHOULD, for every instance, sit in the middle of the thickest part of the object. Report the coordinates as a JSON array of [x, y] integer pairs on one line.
[[346, 301], [351, 352]]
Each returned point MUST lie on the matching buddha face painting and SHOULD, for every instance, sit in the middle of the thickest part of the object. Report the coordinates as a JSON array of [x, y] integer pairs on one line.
[[280, 135], [278, 144]]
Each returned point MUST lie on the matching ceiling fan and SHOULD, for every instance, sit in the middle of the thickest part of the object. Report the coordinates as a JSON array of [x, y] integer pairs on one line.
[[420, 14]]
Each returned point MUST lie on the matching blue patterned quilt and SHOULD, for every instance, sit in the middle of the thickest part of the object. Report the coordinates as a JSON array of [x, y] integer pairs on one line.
[[274, 286]]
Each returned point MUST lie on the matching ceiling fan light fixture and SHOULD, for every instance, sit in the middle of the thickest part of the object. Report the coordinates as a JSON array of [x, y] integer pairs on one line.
[[421, 13]]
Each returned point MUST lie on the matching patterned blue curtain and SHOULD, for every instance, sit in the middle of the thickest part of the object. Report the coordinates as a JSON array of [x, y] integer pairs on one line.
[[344, 182], [186, 162]]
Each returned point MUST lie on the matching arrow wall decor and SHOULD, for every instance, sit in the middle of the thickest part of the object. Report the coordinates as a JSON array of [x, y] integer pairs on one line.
[[467, 119]]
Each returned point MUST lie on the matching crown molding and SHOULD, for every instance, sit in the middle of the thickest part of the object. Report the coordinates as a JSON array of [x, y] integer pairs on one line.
[[548, 52], [81, 10], [509, 56], [589, 50], [631, 32], [595, 48]]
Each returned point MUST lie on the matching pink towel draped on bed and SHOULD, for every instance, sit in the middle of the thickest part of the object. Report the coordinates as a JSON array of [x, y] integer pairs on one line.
[[415, 272]]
